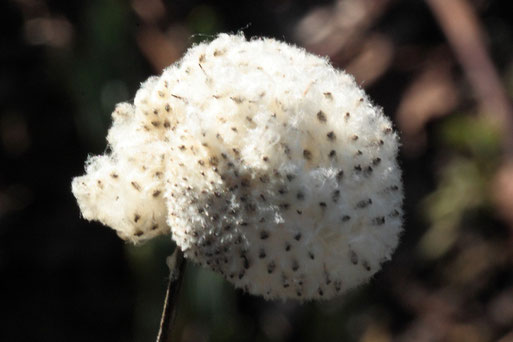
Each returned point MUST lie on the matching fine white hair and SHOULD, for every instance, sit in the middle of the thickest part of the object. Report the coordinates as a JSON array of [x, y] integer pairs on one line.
[[265, 163]]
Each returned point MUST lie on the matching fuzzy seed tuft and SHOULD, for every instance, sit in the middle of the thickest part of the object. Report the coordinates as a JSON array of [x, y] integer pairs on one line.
[[264, 163]]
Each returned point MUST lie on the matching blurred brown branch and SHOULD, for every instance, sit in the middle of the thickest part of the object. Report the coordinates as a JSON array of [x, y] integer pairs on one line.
[[162, 43], [337, 30], [463, 30]]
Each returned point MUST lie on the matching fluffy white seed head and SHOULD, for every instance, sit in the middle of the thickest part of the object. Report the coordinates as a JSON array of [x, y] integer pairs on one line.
[[266, 164]]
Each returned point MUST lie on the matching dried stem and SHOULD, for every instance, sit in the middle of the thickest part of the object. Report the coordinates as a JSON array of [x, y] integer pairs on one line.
[[176, 264]]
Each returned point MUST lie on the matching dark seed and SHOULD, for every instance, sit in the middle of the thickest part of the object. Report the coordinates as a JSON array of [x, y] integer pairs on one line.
[[237, 99], [286, 148], [335, 195], [363, 203], [394, 213], [136, 186], [264, 179], [261, 254], [340, 174], [366, 265], [338, 285], [295, 266], [378, 221], [321, 116], [353, 257], [245, 262], [213, 161], [284, 206]]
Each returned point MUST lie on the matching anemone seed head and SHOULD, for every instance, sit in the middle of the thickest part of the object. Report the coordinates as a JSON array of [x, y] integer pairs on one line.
[[264, 162]]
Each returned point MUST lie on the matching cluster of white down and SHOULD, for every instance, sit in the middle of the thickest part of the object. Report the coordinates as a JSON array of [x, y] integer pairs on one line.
[[264, 162]]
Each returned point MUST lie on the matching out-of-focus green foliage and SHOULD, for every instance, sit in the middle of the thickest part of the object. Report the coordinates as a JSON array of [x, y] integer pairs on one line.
[[472, 134], [471, 152], [204, 21]]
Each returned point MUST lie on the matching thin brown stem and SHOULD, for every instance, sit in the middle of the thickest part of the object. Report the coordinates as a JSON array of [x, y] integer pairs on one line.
[[176, 263]]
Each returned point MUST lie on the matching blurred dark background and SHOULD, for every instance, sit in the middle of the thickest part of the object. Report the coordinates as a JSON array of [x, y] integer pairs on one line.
[[442, 70]]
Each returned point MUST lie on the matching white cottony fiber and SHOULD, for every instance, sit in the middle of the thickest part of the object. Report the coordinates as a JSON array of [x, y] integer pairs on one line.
[[264, 162]]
